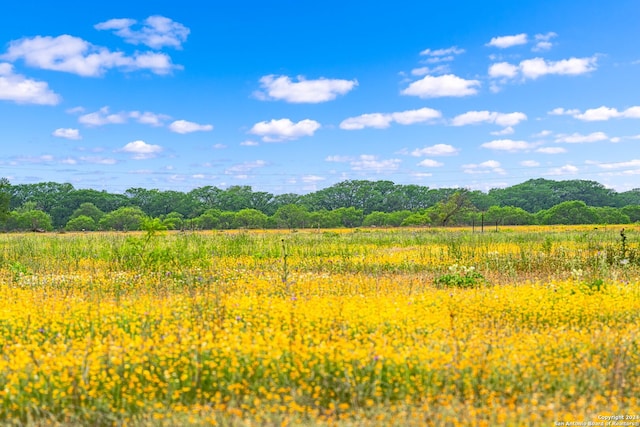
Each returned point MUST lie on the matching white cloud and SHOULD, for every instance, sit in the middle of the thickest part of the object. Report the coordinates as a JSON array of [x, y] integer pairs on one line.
[[19, 89], [242, 169], [98, 160], [384, 120], [577, 138], [338, 159], [542, 134], [635, 163], [67, 133], [502, 119], [537, 67], [141, 150], [249, 143], [436, 150], [312, 178], [529, 163], [551, 150], [183, 126], [374, 120], [423, 71], [429, 163], [543, 41], [441, 55], [367, 162], [453, 50], [506, 131], [508, 41], [284, 129], [104, 117], [564, 170], [303, 91], [503, 69], [148, 118], [75, 55], [599, 114], [485, 167], [441, 86], [416, 116], [507, 145], [156, 32], [219, 146]]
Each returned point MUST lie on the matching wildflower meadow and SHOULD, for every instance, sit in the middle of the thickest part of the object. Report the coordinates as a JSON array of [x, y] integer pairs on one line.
[[530, 325]]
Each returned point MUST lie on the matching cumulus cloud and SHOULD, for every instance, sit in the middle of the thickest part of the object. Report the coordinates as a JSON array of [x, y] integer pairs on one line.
[[502, 119], [441, 55], [490, 166], [74, 55], [436, 150], [371, 163], [249, 143], [503, 69], [507, 145], [551, 150], [537, 67], [543, 41], [67, 133], [598, 114], [183, 126], [156, 32], [508, 41], [442, 86], [241, 170], [506, 131], [635, 163], [430, 163], [303, 91], [384, 120], [141, 150], [423, 71], [19, 89], [284, 129], [338, 159], [309, 179], [564, 170], [373, 120], [577, 138], [104, 117]]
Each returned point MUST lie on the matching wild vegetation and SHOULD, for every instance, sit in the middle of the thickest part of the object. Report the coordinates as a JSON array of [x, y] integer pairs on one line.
[[442, 326], [51, 206]]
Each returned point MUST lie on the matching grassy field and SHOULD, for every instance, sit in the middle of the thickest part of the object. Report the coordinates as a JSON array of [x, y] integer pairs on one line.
[[523, 326]]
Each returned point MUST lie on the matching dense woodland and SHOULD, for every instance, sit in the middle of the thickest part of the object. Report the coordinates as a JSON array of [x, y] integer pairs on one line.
[[52, 206]]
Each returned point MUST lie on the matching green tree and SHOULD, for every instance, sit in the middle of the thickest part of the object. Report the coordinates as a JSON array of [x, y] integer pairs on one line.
[[90, 210], [291, 216], [123, 219], [81, 223], [610, 215], [573, 212], [5, 199], [250, 218]]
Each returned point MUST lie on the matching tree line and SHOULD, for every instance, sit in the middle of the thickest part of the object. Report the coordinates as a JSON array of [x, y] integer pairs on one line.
[[351, 203]]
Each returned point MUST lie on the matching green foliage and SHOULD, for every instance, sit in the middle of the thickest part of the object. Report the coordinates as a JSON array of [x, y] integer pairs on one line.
[[123, 219], [250, 218], [460, 276], [81, 223], [90, 210], [572, 212]]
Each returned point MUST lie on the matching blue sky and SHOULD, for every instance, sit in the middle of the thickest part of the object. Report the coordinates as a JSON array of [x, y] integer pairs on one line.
[[296, 96]]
